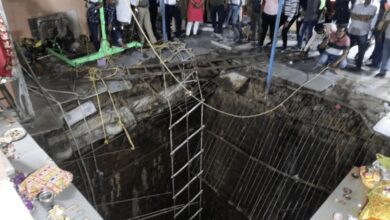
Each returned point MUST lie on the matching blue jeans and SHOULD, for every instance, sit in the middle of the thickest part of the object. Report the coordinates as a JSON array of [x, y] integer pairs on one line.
[[235, 9], [377, 53], [229, 15], [385, 55], [116, 36], [362, 42], [307, 27], [327, 58]]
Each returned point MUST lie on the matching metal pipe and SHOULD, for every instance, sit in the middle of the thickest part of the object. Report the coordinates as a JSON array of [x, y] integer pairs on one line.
[[274, 42], [164, 25]]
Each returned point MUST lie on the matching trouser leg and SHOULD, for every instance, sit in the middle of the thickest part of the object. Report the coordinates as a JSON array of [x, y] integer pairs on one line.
[[385, 55], [302, 33], [188, 28], [177, 17], [141, 20], [286, 29], [235, 22], [229, 15], [94, 33], [310, 27], [213, 14], [299, 26], [255, 17], [362, 44], [196, 27], [272, 27], [264, 28], [153, 10], [148, 26], [323, 59], [377, 53], [168, 22], [221, 18]]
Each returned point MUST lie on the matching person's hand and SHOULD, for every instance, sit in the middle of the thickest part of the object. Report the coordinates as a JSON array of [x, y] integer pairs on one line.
[[333, 65], [286, 24], [304, 54]]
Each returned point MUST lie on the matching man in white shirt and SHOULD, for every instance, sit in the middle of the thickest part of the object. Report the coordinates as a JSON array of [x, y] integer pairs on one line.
[[361, 18], [322, 31]]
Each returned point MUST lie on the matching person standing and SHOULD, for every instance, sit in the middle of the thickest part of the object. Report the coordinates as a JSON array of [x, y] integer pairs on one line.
[[342, 11], [270, 10], [153, 11], [217, 9], [172, 11], [235, 7], [290, 14], [361, 18], [376, 56], [113, 25], [194, 16], [93, 22], [143, 17], [256, 19], [329, 10], [386, 49], [310, 18]]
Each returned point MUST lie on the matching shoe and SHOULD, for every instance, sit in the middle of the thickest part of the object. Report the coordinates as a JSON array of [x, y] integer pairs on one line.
[[296, 48], [380, 75], [219, 36], [356, 69], [373, 66]]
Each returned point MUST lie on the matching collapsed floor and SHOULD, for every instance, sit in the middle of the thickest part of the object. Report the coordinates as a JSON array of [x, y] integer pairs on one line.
[[280, 165]]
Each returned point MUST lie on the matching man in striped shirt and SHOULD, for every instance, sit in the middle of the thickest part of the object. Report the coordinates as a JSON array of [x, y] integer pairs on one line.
[[290, 15]]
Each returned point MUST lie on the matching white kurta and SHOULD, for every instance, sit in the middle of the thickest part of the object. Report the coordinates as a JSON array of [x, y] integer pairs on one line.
[[123, 13]]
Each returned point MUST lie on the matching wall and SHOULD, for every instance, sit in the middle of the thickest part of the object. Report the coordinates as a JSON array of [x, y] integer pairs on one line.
[[19, 11]]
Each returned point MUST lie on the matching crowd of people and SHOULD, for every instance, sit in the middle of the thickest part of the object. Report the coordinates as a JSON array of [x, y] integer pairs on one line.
[[339, 24]]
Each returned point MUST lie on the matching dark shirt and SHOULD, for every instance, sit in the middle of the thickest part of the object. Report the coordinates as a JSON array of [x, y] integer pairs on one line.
[[303, 4], [216, 2], [342, 12], [93, 13], [256, 4], [153, 4]]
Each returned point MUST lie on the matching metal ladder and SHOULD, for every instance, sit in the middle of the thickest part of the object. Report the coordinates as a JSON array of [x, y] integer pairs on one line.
[[187, 156]]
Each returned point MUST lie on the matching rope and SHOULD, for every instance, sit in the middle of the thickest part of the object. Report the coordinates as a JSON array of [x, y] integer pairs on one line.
[[92, 77], [180, 83], [120, 121]]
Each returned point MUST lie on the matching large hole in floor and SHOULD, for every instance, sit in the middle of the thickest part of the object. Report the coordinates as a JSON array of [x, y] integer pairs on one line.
[[280, 165]]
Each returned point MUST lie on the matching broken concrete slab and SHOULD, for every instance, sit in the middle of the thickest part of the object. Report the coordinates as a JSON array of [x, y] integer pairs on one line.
[[137, 57], [77, 114], [244, 47], [285, 72], [383, 126], [86, 91], [237, 80], [221, 45]]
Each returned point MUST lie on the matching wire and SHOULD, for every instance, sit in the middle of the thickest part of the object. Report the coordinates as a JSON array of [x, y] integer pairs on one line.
[[180, 83], [132, 199]]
